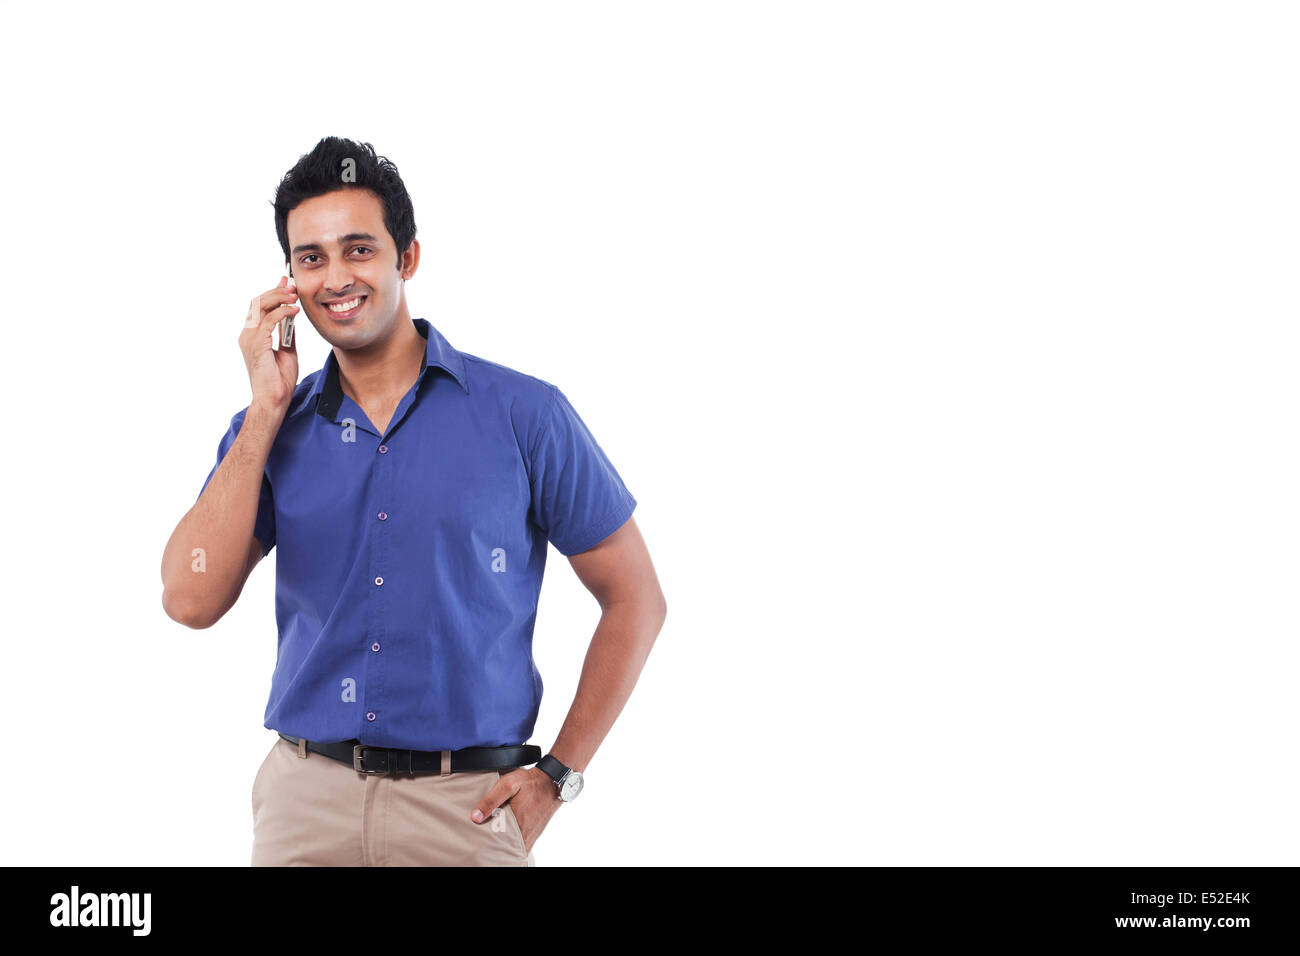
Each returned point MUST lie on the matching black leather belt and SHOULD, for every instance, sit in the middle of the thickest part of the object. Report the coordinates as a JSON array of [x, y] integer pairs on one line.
[[366, 759]]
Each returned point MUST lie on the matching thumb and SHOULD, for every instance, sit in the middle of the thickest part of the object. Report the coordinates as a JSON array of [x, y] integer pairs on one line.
[[498, 795]]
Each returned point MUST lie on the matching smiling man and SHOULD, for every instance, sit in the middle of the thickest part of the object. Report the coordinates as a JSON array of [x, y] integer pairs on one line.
[[411, 490]]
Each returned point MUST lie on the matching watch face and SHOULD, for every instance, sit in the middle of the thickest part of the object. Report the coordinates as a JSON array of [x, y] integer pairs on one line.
[[572, 786]]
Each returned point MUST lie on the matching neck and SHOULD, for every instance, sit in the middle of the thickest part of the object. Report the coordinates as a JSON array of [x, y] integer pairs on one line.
[[386, 367]]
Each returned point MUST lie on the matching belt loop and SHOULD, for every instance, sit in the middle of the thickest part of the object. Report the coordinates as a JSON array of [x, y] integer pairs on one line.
[[302, 747], [446, 763]]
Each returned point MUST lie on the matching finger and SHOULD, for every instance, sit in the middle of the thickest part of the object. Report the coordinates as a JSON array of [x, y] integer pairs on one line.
[[281, 312], [263, 335], [270, 299], [498, 795], [263, 305]]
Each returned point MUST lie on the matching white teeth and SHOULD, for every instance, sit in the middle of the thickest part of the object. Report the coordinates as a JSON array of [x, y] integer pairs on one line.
[[346, 306]]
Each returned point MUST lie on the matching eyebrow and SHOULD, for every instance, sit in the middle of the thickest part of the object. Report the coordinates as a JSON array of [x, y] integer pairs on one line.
[[350, 237]]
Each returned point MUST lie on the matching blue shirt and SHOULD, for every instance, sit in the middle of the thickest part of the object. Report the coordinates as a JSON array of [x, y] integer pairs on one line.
[[409, 563]]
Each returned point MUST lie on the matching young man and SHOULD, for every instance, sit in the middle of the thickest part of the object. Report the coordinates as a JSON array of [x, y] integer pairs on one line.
[[412, 490]]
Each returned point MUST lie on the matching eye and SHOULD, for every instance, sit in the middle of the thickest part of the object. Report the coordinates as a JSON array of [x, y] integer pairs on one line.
[[359, 248], [310, 255]]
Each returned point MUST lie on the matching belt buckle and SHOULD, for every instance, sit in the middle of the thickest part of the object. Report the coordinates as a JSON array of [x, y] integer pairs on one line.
[[356, 759]]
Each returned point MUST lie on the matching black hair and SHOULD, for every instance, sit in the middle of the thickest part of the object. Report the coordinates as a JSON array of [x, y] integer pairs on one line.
[[327, 168]]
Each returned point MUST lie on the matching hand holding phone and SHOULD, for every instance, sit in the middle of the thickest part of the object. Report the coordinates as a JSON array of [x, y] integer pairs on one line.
[[272, 372]]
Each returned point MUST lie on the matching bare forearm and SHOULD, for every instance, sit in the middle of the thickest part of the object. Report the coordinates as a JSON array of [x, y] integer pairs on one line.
[[614, 660], [204, 562]]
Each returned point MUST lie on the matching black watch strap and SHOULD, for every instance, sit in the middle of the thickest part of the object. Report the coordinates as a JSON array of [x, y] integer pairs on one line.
[[552, 768]]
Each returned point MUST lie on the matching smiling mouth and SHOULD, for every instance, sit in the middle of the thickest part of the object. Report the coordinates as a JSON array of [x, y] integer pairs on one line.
[[347, 308]]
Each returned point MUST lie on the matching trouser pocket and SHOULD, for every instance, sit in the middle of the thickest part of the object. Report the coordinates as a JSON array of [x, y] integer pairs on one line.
[[512, 824], [257, 779]]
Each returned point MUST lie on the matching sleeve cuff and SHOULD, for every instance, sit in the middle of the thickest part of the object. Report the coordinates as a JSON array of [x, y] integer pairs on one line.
[[599, 531]]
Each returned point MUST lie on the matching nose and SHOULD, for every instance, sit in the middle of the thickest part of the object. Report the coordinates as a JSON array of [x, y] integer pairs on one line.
[[337, 280]]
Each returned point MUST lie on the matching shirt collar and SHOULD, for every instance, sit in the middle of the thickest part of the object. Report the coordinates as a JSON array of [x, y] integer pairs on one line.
[[438, 352]]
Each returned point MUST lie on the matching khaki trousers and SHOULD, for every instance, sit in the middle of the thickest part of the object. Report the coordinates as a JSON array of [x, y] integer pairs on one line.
[[316, 811]]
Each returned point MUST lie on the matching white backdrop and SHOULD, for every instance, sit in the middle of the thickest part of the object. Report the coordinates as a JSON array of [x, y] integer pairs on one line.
[[948, 348]]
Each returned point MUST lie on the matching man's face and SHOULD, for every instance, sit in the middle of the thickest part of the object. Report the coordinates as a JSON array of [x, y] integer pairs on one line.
[[340, 250]]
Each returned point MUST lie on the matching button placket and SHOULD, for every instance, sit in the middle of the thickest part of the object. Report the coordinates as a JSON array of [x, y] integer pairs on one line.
[[379, 552]]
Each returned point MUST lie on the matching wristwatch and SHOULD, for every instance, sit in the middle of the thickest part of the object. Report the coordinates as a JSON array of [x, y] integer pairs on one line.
[[568, 782]]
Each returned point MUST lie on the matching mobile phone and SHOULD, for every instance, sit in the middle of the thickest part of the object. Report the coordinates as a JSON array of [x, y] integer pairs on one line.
[[286, 324]]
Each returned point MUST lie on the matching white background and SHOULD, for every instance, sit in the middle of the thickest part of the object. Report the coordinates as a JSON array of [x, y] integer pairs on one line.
[[948, 348]]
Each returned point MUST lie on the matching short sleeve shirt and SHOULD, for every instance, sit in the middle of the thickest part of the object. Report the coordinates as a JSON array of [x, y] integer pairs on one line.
[[409, 563]]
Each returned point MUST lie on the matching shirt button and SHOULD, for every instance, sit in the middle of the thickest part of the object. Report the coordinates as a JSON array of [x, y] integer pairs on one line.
[[383, 516], [379, 580], [374, 646], [370, 716], [383, 449]]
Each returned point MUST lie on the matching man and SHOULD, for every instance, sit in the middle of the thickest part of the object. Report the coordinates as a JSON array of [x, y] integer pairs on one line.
[[412, 490]]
